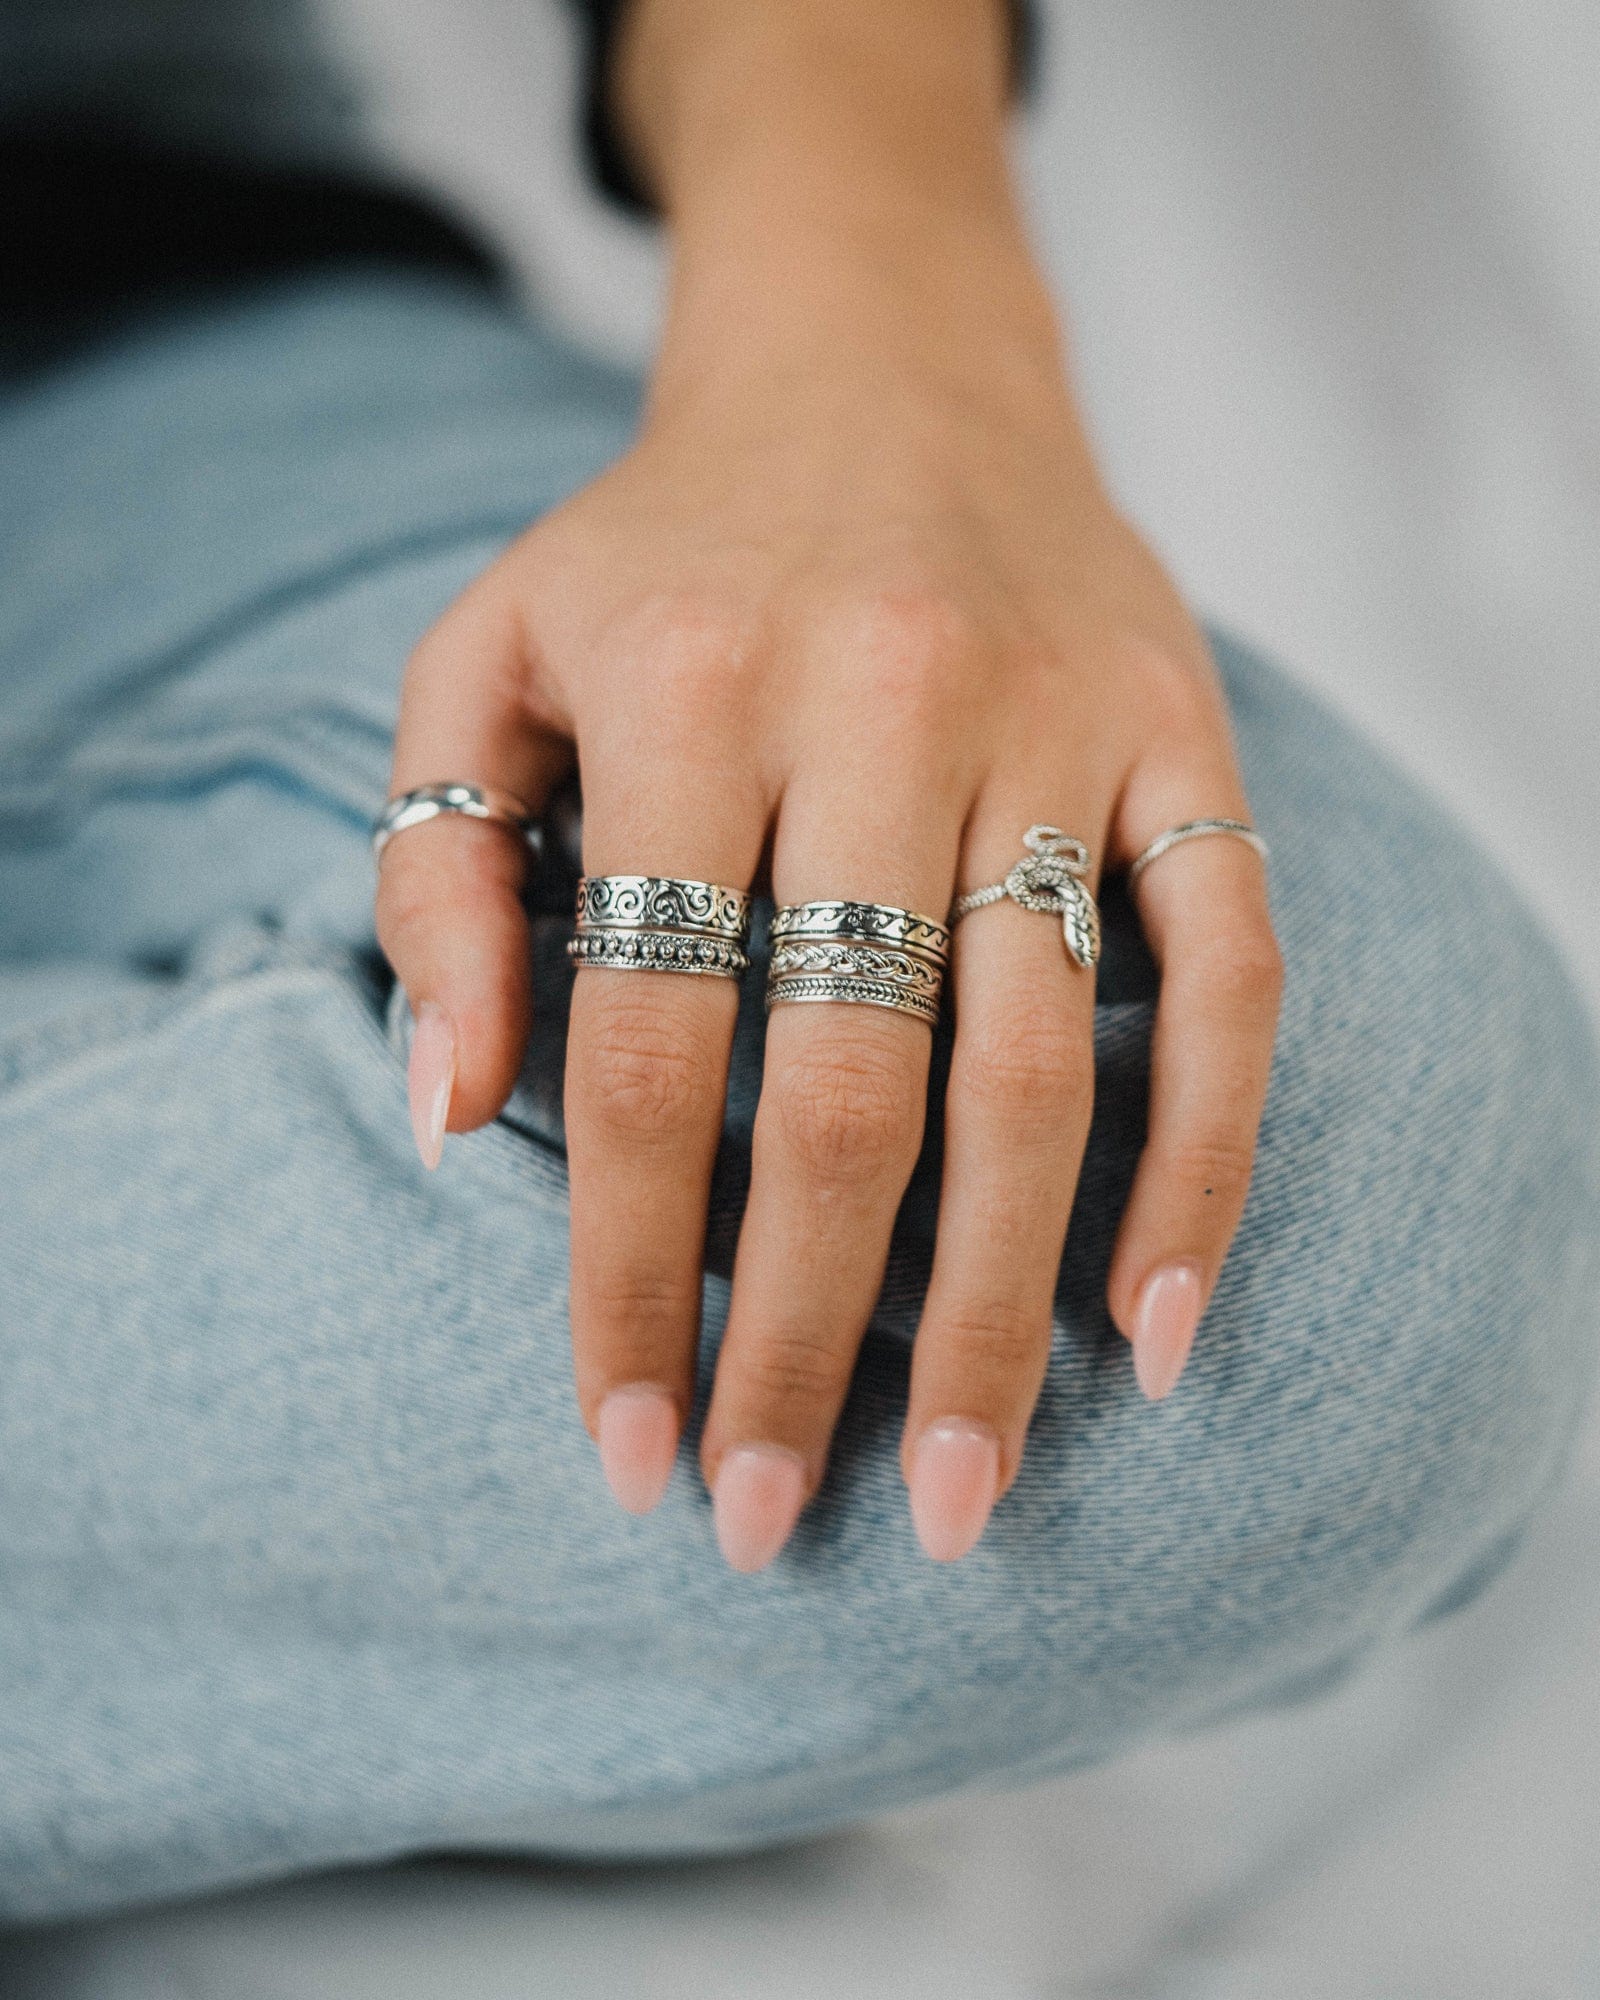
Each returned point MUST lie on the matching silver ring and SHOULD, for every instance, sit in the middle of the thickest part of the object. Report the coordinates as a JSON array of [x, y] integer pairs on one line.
[[663, 902], [661, 923], [814, 957], [861, 992], [416, 808], [870, 923], [1194, 829], [1049, 877], [658, 951], [869, 954]]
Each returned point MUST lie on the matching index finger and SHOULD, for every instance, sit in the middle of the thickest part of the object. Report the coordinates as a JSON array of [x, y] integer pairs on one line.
[[449, 900]]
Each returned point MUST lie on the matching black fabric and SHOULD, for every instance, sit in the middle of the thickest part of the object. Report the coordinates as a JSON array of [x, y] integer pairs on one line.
[[607, 154], [90, 221]]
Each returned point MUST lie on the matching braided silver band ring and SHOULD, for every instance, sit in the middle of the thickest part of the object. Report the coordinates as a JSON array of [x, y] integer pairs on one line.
[[871, 954], [1049, 877], [816, 956], [661, 923], [1194, 829], [426, 802]]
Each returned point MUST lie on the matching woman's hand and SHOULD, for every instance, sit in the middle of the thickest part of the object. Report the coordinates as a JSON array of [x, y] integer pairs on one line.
[[855, 608]]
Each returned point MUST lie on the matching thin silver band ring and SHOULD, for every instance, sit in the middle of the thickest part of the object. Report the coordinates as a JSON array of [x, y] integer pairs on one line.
[[454, 796], [1194, 829]]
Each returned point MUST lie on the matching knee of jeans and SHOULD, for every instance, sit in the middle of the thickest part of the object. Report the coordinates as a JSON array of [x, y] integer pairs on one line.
[[1391, 1372]]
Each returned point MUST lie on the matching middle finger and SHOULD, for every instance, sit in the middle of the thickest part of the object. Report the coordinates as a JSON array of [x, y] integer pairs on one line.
[[837, 1132]]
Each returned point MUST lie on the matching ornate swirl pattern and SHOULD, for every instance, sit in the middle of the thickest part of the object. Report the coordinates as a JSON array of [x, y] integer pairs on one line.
[[873, 923], [843, 986], [663, 902], [658, 951]]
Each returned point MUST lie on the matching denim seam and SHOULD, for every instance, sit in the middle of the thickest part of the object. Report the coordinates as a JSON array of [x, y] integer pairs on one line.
[[34, 1064]]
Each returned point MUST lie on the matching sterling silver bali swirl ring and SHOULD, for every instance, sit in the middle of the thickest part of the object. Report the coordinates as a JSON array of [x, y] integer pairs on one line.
[[661, 923]]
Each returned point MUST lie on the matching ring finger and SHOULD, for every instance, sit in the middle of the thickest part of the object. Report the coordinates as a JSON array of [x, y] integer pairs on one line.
[[1016, 1122]]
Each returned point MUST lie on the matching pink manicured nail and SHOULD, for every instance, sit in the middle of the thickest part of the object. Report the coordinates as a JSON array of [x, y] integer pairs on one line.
[[431, 1079], [759, 1491], [955, 1475], [1164, 1323], [638, 1439]]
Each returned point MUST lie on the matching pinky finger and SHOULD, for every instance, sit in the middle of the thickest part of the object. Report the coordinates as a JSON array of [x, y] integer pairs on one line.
[[1204, 909]]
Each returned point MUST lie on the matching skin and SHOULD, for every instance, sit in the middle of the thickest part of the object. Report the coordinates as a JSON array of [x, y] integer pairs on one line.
[[853, 612]]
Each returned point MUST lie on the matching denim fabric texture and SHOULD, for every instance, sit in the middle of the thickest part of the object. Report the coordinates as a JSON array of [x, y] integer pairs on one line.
[[305, 1557]]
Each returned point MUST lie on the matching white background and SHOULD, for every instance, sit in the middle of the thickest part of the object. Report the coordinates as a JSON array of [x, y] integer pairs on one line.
[[1333, 273]]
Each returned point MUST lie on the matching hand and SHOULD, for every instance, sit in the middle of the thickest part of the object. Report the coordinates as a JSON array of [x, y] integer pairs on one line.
[[854, 608]]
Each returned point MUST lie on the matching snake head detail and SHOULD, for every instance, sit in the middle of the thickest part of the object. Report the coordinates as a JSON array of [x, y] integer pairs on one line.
[[1049, 882]]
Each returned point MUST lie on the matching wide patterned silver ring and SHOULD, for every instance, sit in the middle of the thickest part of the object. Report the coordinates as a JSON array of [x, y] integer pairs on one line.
[[867, 954], [661, 923], [426, 802], [1050, 878]]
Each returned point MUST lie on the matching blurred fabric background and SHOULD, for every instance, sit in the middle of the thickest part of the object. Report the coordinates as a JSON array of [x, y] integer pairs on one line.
[[1333, 279]]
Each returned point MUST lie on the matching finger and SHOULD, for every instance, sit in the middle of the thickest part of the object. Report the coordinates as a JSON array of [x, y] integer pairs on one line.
[[647, 1061], [837, 1131], [1016, 1121], [449, 909], [1204, 909]]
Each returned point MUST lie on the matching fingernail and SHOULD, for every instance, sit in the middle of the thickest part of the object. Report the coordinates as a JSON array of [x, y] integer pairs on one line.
[[756, 1500], [638, 1439], [1164, 1323], [430, 1080], [955, 1476]]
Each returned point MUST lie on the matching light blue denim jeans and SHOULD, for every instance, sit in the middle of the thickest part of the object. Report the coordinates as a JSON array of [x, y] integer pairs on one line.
[[304, 1555]]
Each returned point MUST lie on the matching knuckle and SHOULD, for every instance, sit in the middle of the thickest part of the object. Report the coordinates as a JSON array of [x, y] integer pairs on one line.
[[795, 1369], [1216, 1161], [902, 628], [1243, 971], [401, 910], [1030, 1067], [1179, 702], [693, 642], [645, 1073], [995, 1340], [847, 1113], [649, 1307], [909, 650]]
